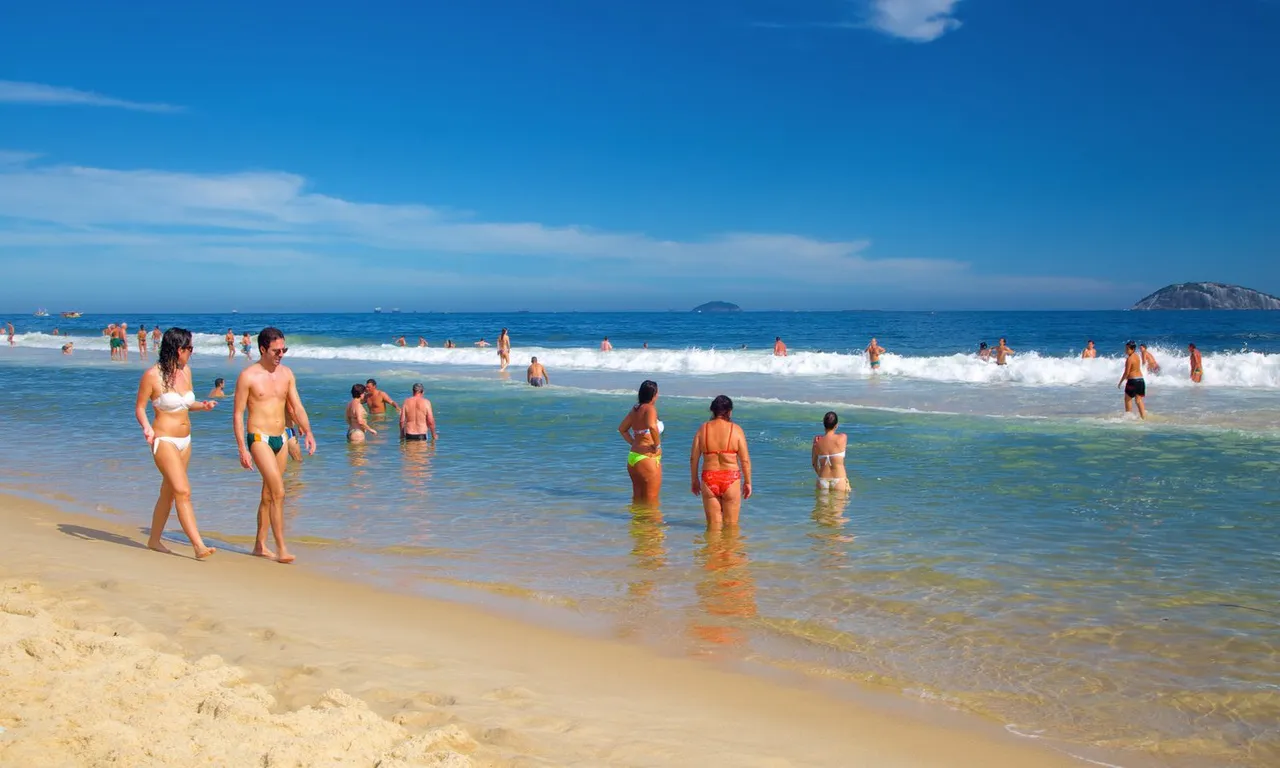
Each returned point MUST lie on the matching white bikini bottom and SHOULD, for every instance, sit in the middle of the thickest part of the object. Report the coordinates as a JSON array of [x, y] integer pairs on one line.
[[181, 443]]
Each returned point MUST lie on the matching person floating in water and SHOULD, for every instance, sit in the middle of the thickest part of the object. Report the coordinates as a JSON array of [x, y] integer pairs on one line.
[[984, 352], [1089, 352], [1197, 368], [217, 392], [605, 346], [1135, 387], [400, 342], [779, 349]]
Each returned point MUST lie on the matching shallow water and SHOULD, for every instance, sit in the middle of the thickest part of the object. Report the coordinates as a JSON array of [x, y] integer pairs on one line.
[[1013, 548]]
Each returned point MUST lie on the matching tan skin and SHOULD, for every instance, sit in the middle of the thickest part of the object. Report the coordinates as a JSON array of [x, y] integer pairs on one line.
[[377, 400], [142, 344], [356, 423], [1148, 359], [504, 350], [721, 434], [1089, 352], [536, 370], [265, 389], [231, 344], [825, 445], [1002, 353], [646, 475], [1132, 370], [175, 488], [1197, 368], [416, 417]]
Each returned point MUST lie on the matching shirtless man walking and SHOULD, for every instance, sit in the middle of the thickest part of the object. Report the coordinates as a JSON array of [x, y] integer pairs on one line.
[[874, 351], [416, 419], [1002, 352], [142, 342], [266, 388], [231, 344], [1135, 387], [1197, 368], [122, 333], [376, 399]]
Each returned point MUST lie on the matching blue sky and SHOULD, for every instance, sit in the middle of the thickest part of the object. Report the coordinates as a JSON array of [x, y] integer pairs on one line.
[[579, 154]]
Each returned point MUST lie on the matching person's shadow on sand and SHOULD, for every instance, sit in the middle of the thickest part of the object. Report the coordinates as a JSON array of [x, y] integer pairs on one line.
[[93, 534]]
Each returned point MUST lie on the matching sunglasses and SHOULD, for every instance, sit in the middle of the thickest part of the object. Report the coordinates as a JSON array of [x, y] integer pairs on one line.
[[188, 348], [279, 351]]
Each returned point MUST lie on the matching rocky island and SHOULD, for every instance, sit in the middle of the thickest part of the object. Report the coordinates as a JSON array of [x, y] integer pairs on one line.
[[1208, 296], [717, 306]]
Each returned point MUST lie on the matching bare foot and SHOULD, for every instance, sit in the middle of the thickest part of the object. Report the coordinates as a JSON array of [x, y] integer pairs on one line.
[[285, 557], [206, 553], [159, 547], [263, 552]]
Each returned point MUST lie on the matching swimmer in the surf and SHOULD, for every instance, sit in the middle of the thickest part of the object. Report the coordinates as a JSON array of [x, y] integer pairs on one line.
[[874, 351]]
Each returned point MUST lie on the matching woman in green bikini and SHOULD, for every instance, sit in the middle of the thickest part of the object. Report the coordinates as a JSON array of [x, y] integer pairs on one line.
[[642, 430]]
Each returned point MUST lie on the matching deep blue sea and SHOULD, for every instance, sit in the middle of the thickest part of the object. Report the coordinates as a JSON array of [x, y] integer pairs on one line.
[[1015, 547]]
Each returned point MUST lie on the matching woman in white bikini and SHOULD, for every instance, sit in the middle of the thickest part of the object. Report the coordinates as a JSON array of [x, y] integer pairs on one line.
[[827, 456], [642, 430], [167, 386]]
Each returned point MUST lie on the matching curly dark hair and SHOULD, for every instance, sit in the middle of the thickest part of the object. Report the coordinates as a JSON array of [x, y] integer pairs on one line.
[[174, 341]]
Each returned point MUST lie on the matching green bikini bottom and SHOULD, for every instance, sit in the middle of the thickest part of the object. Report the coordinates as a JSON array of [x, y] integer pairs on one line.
[[634, 458]]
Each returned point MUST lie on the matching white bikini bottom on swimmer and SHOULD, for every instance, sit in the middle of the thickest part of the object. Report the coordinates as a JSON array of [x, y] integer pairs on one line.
[[831, 483], [181, 443]]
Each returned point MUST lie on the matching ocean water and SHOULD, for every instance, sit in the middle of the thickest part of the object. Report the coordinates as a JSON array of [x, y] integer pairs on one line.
[[1014, 547]]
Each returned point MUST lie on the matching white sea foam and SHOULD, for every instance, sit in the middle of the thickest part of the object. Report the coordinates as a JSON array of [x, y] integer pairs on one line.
[[1240, 370]]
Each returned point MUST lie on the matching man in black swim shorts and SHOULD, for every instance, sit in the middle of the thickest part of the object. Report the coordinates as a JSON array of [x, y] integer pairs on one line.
[[1135, 387]]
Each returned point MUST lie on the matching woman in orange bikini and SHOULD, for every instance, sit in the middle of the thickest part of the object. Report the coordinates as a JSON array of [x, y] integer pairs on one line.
[[722, 447]]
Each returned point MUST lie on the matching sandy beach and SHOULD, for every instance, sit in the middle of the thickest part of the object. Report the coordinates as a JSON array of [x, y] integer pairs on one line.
[[113, 654]]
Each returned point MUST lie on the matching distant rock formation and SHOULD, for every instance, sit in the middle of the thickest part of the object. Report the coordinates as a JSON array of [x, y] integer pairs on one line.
[[1208, 296], [717, 306]]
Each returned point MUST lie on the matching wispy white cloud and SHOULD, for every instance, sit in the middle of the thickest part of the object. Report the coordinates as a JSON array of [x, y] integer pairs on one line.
[[256, 218], [919, 20], [14, 92], [11, 157]]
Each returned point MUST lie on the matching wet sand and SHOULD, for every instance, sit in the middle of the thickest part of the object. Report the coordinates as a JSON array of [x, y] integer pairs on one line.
[[112, 652]]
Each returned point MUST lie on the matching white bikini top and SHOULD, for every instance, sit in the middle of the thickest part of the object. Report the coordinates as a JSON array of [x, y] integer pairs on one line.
[[824, 458], [661, 427], [172, 401]]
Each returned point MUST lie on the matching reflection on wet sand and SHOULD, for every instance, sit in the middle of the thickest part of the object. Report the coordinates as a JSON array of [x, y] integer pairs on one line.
[[294, 485], [417, 456], [649, 553], [829, 537], [361, 478], [726, 590]]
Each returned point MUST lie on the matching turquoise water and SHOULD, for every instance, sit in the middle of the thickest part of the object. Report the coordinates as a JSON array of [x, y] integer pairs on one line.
[[1013, 548]]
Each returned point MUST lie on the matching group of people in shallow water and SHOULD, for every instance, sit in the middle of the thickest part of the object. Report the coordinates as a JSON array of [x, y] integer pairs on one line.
[[719, 459]]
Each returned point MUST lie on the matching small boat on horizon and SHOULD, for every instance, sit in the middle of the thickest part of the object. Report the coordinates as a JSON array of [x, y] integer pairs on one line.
[[377, 310], [71, 315], [41, 313]]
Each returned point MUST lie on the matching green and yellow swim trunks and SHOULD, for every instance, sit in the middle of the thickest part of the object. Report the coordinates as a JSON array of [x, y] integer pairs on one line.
[[634, 458]]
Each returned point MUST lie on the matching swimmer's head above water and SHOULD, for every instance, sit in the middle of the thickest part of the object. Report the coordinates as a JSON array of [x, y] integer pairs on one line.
[[357, 391]]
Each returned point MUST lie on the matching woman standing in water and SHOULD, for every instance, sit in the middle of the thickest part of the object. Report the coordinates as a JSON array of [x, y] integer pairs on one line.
[[167, 385], [642, 430], [722, 447], [827, 456]]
